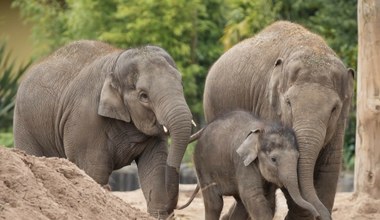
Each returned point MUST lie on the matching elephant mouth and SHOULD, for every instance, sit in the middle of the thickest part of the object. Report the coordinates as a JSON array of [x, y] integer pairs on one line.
[[161, 128]]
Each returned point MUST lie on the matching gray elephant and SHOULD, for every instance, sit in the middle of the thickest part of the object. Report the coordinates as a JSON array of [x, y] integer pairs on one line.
[[286, 73], [241, 156], [103, 107]]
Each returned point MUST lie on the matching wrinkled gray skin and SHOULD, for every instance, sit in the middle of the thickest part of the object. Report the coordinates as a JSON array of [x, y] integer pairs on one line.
[[287, 73], [102, 108], [238, 155]]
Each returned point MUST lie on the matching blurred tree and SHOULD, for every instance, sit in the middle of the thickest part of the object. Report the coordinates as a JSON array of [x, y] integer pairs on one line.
[[88, 19], [9, 77], [246, 18], [48, 20]]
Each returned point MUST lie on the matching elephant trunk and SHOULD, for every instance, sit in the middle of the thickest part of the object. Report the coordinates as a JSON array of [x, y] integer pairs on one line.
[[289, 178], [177, 117], [310, 140]]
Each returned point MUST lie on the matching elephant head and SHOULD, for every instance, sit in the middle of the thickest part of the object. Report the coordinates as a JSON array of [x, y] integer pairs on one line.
[[277, 152], [311, 92], [143, 86]]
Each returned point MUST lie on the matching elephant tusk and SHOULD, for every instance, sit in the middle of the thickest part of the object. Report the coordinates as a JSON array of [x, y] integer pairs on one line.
[[193, 122], [165, 129]]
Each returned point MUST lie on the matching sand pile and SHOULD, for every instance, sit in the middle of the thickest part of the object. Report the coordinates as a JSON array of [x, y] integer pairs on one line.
[[53, 188]]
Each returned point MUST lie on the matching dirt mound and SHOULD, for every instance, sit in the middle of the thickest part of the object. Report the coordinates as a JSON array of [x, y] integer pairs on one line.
[[53, 188]]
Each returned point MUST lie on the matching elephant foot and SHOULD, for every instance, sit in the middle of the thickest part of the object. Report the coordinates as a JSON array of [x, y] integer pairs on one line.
[[161, 215], [107, 187]]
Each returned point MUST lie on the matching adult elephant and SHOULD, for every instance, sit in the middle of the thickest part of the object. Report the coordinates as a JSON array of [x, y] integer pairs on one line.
[[103, 107], [289, 74]]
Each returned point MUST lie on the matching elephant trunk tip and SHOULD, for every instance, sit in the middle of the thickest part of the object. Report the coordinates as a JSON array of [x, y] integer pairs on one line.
[[315, 213], [308, 206], [293, 190]]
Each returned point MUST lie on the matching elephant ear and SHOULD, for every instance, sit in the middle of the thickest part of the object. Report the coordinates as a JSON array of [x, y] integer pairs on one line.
[[274, 85], [349, 83], [248, 150], [111, 103]]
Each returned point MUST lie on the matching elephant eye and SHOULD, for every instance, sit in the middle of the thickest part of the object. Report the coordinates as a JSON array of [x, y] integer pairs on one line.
[[143, 97], [273, 159], [334, 109], [287, 100]]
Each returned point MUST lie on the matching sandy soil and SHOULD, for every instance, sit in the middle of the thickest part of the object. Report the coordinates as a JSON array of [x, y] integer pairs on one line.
[[52, 188], [347, 206]]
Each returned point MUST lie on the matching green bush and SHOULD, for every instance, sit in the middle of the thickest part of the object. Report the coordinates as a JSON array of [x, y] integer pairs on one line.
[[188, 157], [9, 77], [6, 139]]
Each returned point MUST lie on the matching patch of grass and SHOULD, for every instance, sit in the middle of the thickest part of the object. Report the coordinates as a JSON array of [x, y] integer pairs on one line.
[[188, 157], [6, 139]]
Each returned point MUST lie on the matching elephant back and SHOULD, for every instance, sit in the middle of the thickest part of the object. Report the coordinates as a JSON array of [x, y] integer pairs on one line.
[[240, 78]]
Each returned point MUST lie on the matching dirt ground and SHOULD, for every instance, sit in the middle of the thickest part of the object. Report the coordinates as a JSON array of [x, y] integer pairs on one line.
[[346, 207], [52, 188]]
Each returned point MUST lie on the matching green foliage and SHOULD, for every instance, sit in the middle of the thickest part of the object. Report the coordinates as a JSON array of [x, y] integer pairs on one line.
[[49, 22], [246, 18], [56, 22], [6, 139], [88, 19], [349, 143], [9, 77], [188, 157]]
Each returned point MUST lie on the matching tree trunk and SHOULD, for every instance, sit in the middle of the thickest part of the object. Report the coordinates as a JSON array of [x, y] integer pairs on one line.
[[367, 162]]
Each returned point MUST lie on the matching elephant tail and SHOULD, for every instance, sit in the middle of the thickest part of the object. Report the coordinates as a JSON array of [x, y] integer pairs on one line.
[[191, 198], [196, 136]]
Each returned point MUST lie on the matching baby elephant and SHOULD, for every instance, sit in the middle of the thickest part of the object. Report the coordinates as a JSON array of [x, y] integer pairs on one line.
[[241, 156]]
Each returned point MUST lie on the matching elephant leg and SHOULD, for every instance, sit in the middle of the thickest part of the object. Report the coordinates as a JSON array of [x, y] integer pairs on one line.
[[237, 211], [29, 147], [254, 194], [88, 148], [23, 140], [256, 203], [96, 164], [327, 175], [151, 170], [213, 202], [271, 197]]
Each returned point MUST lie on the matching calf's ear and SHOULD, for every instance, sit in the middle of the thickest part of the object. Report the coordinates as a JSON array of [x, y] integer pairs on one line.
[[248, 150]]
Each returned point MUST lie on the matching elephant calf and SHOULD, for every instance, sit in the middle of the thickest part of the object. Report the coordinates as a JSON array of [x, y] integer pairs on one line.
[[241, 156]]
